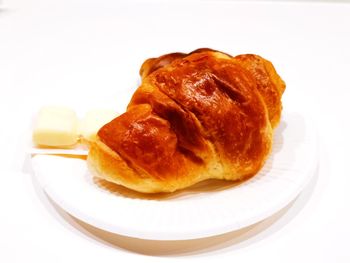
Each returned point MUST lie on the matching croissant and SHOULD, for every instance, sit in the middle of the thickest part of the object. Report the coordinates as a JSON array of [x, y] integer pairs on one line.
[[194, 117]]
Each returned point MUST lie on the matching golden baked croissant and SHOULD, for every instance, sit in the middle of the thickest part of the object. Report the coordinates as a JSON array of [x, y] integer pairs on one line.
[[194, 117]]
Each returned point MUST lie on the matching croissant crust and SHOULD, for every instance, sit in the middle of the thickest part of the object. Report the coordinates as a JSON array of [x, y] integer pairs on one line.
[[194, 117]]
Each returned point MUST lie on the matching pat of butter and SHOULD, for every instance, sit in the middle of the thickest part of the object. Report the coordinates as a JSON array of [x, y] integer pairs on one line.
[[93, 121], [56, 126]]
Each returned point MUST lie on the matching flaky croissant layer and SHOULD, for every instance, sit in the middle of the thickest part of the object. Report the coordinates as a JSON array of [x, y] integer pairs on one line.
[[194, 117]]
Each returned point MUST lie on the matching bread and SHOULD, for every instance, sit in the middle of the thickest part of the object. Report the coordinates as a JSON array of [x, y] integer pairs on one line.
[[194, 117]]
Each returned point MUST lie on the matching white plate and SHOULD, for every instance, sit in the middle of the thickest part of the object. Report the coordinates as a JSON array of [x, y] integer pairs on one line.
[[206, 209]]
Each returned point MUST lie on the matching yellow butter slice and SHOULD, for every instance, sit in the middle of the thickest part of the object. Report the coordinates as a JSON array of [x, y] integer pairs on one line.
[[56, 126], [93, 121]]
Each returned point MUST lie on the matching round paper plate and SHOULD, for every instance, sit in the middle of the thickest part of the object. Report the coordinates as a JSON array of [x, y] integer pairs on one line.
[[206, 209]]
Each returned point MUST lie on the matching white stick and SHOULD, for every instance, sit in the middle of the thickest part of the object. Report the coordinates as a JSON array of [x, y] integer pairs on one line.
[[34, 151]]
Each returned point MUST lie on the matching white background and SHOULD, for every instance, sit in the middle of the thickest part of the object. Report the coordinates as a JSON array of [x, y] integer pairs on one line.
[[85, 54]]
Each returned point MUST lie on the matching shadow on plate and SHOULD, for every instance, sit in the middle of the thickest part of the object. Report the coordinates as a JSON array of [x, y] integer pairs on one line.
[[211, 185]]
